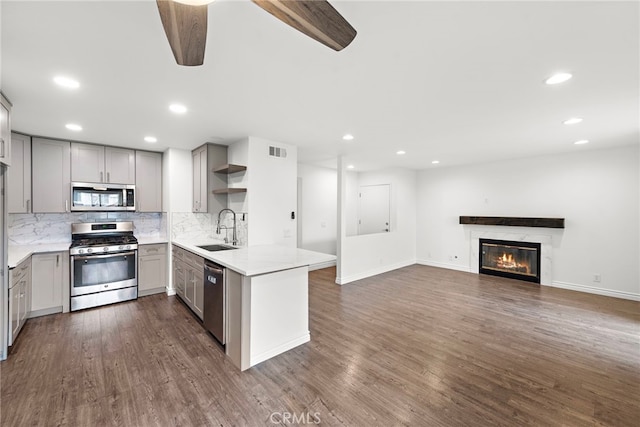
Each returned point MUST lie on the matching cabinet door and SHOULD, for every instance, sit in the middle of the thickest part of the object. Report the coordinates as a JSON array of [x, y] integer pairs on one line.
[[152, 267], [189, 288], [5, 131], [120, 165], [179, 277], [200, 180], [19, 181], [148, 181], [51, 175], [198, 296], [87, 163], [151, 272], [14, 313], [46, 282], [22, 310]]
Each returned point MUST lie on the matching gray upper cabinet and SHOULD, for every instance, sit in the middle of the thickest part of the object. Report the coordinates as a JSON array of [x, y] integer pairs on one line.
[[148, 181], [87, 162], [19, 181], [120, 165], [205, 159], [97, 163], [5, 130], [50, 175]]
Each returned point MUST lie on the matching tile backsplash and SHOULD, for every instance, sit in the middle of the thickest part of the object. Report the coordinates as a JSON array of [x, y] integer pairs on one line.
[[202, 227], [31, 229]]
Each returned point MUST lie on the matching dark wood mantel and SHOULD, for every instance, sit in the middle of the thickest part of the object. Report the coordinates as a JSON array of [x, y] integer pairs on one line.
[[513, 221]]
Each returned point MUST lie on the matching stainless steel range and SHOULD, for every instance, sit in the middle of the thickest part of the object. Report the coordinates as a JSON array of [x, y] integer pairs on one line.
[[104, 264]]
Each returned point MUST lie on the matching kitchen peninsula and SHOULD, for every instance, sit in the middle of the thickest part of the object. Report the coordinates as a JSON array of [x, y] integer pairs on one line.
[[267, 298]]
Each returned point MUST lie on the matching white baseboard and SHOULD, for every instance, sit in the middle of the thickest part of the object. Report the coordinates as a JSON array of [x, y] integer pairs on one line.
[[322, 265], [170, 291], [374, 272], [433, 263], [279, 349], [44, 312], [594, 290], [153, 291]]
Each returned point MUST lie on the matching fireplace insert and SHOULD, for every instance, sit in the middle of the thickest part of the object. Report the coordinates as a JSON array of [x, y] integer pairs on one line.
[[515, 260]]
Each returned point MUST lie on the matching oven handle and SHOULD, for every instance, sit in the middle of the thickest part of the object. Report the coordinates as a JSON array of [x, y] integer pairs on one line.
[[79, 258]]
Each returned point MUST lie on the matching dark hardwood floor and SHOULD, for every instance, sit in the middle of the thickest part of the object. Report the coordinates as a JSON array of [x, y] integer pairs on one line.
[[419, 346]]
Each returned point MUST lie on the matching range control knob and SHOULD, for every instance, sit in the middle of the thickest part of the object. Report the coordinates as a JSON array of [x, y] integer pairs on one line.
[[121, 247], [106, 248], [81, 251], [128, 247], [89, 250]]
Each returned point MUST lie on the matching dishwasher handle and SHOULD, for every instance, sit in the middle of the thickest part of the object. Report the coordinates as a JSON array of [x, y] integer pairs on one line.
[[213, 270]]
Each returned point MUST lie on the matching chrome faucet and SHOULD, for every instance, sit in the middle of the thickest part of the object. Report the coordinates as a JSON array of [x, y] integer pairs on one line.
[[234, 240]]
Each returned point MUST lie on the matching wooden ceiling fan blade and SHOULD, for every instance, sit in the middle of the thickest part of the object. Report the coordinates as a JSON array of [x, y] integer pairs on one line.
[[186, 29], [315, 18]]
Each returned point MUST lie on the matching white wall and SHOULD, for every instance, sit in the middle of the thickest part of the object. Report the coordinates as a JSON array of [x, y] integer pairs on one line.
[[364, 256], [318, 208], [597, 192], [271, 191], [177, 180]]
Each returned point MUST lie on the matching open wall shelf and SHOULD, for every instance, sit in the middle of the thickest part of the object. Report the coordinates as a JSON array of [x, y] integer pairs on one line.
[[229, 169], [229, 190]]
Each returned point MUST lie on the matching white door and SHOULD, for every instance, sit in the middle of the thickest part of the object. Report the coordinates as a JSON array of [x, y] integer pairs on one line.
[[374, 209]]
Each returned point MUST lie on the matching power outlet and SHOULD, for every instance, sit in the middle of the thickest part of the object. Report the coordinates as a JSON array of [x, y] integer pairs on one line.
[[597, 278]]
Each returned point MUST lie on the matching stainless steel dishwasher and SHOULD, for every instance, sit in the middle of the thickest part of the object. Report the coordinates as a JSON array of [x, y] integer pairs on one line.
[[214, 300]]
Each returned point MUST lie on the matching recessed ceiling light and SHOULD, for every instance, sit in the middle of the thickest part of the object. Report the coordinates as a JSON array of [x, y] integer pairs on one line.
[[348, 137], [66, 82], [558, 78], [178, 108], [73, 126], [582, 141], [401, 152], [572, 121], [435, 162], [350, 166], [151, 139]]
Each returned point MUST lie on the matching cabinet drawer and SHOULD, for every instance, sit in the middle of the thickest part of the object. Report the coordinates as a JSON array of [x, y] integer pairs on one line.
[[178, 253], [18, 273], [195, 260], [155, 249]]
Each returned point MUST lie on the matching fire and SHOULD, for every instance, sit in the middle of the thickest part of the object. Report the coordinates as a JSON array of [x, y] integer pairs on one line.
[[507, 262]]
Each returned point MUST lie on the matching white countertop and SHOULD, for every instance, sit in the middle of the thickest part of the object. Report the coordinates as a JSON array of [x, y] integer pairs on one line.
[[19, 253], [152, 240], [255, 260]]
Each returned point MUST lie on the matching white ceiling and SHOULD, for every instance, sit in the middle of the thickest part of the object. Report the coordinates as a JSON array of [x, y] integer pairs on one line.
[[460, 82]]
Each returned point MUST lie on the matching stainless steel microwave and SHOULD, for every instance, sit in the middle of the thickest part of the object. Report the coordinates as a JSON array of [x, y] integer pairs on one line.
[[86, 196]]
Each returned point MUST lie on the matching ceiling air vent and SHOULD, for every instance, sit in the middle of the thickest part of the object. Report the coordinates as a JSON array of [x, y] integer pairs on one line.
[[277, 151]]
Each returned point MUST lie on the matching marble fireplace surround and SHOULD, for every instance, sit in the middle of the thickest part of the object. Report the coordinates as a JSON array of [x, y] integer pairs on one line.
[[546, 248]]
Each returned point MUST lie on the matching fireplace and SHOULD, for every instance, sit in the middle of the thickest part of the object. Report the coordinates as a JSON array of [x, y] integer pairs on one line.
[[515, 260]]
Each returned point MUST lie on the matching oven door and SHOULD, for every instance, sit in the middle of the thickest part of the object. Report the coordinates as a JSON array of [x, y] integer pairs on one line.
[[97, 273]]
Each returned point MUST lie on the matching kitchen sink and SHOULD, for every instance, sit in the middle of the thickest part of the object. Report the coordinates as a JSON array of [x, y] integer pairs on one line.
[[214, 248]]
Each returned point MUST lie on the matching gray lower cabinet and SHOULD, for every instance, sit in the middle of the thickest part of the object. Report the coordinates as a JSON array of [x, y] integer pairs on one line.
[[51, 175], [148, 181], [49, 283], [19, 298], [188, 279], [152, 269], [19, 180]]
